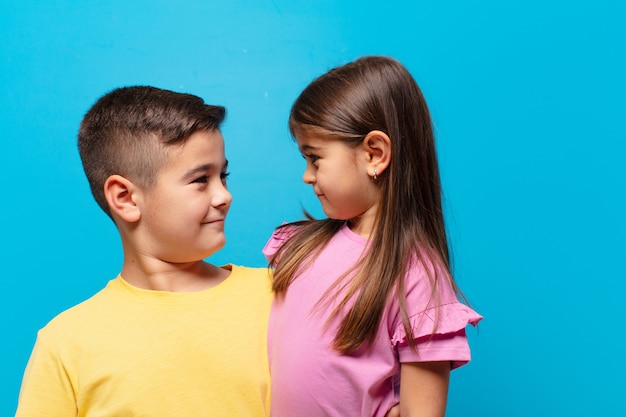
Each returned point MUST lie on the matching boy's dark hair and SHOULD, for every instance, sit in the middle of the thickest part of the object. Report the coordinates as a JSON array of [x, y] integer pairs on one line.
[[125, 131]]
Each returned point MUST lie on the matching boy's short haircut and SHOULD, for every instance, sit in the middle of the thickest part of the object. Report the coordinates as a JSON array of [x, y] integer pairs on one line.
[[127, 130]]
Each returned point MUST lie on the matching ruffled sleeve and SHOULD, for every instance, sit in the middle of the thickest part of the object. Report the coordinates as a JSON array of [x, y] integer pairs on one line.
[[278, 238], [445, 341]]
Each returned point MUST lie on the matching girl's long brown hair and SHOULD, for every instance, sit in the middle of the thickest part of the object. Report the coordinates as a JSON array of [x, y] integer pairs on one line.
[[348, 102]]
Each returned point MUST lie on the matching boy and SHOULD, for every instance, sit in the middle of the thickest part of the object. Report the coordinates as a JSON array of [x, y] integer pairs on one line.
[[172, 335]]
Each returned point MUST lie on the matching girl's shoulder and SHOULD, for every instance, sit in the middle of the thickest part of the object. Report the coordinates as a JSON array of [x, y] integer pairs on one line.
[[311, 229], [278, 238], [426, 262], [427, 278]]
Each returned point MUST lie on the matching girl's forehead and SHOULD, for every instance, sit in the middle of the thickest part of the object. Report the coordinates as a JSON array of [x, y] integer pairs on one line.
[[309, 143], [313, 140]]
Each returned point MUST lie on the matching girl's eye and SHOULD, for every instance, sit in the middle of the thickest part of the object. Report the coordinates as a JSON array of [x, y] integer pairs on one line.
[[312, 158], [203, 179], [224, 175]]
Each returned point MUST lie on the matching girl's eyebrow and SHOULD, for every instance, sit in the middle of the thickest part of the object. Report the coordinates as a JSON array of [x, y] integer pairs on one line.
[[306, 148]]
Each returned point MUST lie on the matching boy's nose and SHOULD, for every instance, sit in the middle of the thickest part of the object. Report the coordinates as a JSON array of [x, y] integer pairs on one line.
[[222, 198]]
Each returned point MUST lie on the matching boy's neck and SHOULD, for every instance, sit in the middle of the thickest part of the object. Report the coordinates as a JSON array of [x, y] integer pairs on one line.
[[188, 277]]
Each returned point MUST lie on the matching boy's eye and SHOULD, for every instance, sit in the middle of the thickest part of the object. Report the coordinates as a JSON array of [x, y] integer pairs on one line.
[[203, 179]]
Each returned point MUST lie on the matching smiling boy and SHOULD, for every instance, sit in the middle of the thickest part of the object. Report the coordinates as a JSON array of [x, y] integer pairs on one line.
[[172, 335]]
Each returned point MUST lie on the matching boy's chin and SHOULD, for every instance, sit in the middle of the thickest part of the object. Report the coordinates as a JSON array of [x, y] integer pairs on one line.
[[214, 249]]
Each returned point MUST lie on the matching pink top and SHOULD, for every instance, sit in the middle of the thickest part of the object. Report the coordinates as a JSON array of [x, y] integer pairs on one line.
[[309, 378]]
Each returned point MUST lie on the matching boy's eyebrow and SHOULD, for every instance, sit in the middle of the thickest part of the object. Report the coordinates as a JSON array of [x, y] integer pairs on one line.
[[201, 169]]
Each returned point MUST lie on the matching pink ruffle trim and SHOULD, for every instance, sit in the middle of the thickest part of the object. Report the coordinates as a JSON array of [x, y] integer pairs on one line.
[[452, 318], [278, 238]]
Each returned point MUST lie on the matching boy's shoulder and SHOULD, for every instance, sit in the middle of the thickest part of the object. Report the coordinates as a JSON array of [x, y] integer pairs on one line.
[[255, 278], [79, 317], [250, 271]]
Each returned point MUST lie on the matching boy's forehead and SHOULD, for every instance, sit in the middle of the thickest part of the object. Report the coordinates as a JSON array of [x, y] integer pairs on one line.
[[202, 148]]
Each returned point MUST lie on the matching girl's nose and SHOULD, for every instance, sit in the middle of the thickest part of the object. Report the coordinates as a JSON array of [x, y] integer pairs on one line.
[[308, 177]]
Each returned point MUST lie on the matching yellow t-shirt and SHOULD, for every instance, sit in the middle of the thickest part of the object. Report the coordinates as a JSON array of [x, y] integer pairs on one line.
[[129, 352]]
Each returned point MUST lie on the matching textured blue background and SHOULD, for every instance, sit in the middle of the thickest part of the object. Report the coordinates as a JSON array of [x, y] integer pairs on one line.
[[528, 102]]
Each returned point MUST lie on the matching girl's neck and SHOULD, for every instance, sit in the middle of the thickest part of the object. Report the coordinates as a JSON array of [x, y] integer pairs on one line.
[[363, 225]]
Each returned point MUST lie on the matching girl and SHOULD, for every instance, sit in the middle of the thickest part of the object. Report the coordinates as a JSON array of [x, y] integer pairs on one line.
[[366, 312]]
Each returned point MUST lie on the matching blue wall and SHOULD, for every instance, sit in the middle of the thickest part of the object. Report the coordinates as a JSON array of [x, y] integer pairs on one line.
[[528, 101]]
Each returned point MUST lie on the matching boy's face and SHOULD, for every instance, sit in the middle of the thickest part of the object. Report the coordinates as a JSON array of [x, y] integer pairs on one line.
[[182, 216]]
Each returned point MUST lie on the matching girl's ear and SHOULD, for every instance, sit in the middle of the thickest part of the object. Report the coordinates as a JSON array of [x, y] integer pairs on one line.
[[378, 147], [121, 193]]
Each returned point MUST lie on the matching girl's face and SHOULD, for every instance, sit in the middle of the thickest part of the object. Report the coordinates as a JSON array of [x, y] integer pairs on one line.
[[338, 174]]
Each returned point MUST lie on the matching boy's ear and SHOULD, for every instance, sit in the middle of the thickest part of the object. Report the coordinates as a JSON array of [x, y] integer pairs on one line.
[[378, 147], [120, 193]]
